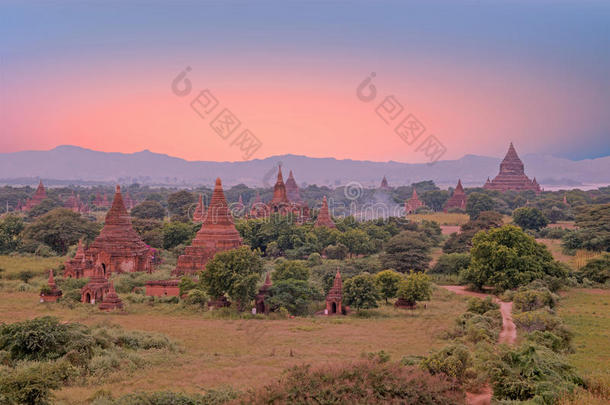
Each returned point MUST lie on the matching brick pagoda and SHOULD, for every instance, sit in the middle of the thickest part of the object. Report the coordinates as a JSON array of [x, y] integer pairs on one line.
[[78, 266], [199, 213], [512, 175], [334, 298], [281, 204], [457, 200], [384, 184], [263, 293], [217, 233], [111, 300], [413, 203], [292, 189], [97, 287], [118, 248], [36, 199], [54, 293], [324, 218]]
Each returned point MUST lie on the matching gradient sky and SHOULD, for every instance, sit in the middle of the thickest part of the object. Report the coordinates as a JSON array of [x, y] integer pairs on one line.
[[477, 74]]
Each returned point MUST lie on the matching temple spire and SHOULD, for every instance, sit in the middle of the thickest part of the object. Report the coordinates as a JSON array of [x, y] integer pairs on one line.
[[324, 218]]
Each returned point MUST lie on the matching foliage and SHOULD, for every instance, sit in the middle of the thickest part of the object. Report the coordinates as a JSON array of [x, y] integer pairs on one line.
[[477, 203], [529, 218], [529, 299], [234, 273], [148, 210], [32, 383], [532, 372], [365, 382], [387, 283], [453, 360], [294, 295], [451, 263], [406, 251], [186, 284], [338, 251], [435, 199], [481, 306], [11, 227], [178, 204], [61, 228], [507, 257], [474, 327], [290, 269], [462, 242], [593, 222], [361, 291], [176, 233], [415, 287], [596, 270]]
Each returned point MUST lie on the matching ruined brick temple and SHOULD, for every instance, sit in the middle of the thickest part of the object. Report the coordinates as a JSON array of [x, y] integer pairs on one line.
[[512, 175], [412, 204], [286, 200], [334, 298], [324, 218], [37, 198], [457, 200]]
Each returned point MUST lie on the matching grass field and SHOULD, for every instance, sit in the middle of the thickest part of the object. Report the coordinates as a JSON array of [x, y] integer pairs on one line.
[[587, 313], [13, 265], [575, 262], [246, 353]]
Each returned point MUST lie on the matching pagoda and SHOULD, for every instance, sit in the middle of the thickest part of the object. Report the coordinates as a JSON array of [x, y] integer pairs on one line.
[[281, 204], [457, 200], [118, 248], [217, 234], [199, 213], [413, 203], [512, 175], [78, 266], [97, 287], [111, 300], [384, 184], [334, 298], [264, 292], [258, 208], [53, 293], [324, 218], [38, 197], [292, 189]]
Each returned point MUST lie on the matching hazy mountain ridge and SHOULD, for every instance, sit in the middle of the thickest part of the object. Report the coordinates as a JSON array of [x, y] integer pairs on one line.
[[76, 163]]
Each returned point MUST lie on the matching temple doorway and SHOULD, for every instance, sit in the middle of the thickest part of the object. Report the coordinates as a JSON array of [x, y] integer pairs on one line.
[[333, 308], [88, 298]]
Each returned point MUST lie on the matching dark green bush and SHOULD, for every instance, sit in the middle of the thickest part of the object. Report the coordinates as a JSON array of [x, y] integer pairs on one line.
[[529, 300], [454, 361], [480, 306], [596, 270], [451, 263]]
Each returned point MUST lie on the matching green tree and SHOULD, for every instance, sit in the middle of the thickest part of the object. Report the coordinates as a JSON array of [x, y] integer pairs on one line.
[[148, 210], [61, 228], [507, 257], [529, 218], [338, 251], [175, 233], [435, 199], [179, 203], [406, 251], [291, 269], [11, 227], [415, 287], [451, 263], [356, 241], [477, 203], [45, 206], [361, 291], [294, 295], [387, 283], [234, 273], [593, 222]]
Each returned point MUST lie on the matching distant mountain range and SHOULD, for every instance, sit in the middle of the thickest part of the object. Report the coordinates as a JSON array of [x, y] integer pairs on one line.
[[72, 164]]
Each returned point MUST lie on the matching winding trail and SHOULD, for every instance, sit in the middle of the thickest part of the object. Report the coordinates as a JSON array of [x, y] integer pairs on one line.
[[508, 335]]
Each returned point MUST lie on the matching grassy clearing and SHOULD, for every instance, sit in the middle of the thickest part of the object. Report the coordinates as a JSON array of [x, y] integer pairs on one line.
[[587, 313], [442, 218], [576, 262], [246, 353], [13, 265]]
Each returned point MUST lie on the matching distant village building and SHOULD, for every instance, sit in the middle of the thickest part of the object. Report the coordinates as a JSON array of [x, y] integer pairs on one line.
[[217, 234], [512, 175], [324, 218], [413, 203], [457, 200]]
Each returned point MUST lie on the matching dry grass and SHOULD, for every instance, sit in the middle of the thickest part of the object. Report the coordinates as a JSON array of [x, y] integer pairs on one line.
[[582, 257], [247, 353], [587, 314], [576, 262], [442, 218], [13, 265]]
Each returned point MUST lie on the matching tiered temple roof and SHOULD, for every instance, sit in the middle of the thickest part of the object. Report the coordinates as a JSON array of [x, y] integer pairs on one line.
[[118, 247], [217, 233], [111, 300], [384, 184], [458, 199], [512, 175], [54, 293], [280, 202], [324, 218], [292, 189], [413, 203], [37, 198]]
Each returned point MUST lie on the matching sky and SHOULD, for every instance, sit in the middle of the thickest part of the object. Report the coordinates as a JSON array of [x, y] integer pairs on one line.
[[471, 76]]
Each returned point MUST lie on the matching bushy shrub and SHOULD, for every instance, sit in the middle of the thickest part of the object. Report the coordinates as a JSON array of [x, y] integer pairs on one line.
[[364, 382], [477, 328], [596, 270], [481, 306], [532, 372], [529, 300], [32, 383], [415, 287], [453, 360], [541, 319], [451, 263]]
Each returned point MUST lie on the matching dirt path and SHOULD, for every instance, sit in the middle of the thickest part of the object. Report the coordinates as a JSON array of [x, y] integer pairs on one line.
[[508, 335]]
